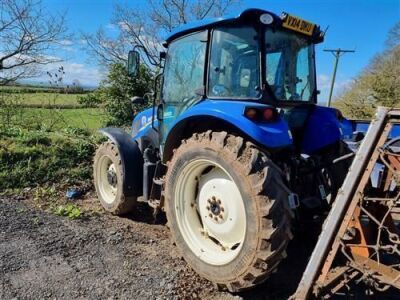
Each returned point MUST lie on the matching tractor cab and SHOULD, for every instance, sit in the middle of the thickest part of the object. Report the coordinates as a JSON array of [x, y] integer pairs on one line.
[[255, 58]]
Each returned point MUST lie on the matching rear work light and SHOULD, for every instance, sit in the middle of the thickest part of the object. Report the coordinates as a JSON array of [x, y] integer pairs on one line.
[[261, 114]]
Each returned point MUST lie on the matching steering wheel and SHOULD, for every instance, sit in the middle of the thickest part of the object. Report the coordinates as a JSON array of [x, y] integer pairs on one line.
[[221, 90]]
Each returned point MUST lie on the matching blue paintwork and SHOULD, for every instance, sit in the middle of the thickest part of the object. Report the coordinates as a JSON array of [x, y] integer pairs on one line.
[[142, 123], [270, 135], [346, 127], [362, 126], [210, 22], [323, 128]]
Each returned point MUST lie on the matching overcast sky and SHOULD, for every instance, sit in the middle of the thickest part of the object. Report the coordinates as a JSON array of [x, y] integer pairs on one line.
[[353, 24]]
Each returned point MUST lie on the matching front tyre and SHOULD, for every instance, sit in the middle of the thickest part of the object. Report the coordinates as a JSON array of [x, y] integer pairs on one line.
[[108, 180], [226, 206]]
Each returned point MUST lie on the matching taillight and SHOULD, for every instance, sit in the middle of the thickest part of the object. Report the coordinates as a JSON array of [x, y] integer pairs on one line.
[[261, 114], [251, 114], [269, 114]]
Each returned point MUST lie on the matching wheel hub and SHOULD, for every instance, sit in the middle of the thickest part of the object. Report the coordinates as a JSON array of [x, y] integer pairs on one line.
[[112, 177], [215, 206]]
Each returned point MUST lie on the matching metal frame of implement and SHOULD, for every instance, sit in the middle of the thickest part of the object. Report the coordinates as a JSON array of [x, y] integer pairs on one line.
[[344, 224]]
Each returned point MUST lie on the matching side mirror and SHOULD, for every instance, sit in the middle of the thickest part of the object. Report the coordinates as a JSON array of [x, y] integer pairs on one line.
[[163, 55], [137, 100], [133, 63]]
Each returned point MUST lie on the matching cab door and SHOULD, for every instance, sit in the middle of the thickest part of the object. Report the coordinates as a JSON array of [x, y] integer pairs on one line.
[[183, 82]]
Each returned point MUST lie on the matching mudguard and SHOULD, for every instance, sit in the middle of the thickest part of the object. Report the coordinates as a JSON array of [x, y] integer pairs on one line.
[[131, 160], [270, 135], [323, 129]]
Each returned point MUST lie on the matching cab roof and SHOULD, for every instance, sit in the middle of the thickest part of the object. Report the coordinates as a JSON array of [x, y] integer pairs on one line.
[[251, 13], [211, 22]]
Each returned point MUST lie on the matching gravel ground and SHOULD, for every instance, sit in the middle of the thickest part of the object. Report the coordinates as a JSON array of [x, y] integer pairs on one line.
[[44, 256], [100, 257]]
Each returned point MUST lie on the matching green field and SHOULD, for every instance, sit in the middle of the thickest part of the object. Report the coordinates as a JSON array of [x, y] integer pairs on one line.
[[45, 99], [26, 88], [32, 96], [56, 119], [86, 118], [38, 107]]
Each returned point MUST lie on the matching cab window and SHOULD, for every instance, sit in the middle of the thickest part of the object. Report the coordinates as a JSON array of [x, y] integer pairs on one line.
[[289, 65], [184, 70], [234, 63]]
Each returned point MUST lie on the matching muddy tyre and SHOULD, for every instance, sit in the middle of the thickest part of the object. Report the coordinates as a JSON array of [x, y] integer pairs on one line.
[[108, 180], [227, 210]]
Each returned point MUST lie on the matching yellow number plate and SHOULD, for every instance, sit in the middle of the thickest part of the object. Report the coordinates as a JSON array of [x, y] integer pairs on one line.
[[297, 24]]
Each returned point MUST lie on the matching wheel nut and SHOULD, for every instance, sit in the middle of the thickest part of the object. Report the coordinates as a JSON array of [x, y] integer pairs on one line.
[[221, 217], [208, 208], [216, 219], [222, 209], [209, 201], [210, 215], [213, 197], [219, 201]]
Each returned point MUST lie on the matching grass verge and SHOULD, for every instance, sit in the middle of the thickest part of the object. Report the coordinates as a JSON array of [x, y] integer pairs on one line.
[[36, 157]]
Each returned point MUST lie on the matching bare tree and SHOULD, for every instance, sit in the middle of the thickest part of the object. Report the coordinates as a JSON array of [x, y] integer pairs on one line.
[[145, 27], [27, 35]]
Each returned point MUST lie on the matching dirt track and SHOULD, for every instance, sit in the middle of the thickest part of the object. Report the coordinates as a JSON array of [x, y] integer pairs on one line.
[[104, 257]]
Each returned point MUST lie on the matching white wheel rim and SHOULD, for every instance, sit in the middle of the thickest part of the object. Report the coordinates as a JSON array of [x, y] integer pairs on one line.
[[107, 189], [210, 212]]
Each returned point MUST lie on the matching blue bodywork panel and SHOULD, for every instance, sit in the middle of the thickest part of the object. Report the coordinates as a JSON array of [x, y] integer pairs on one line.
[[271, 135], [346, 127], [362, 126], [322, 127], [142, 123]]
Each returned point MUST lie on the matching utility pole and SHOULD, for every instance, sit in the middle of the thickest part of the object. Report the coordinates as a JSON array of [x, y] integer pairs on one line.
[[336, 53]]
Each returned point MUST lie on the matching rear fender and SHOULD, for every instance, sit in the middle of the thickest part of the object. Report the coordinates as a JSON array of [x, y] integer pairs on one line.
[[131, 160], [273, 135], [323, 129]]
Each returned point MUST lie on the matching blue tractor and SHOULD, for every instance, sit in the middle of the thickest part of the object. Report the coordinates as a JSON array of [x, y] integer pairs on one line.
[[235, 149]]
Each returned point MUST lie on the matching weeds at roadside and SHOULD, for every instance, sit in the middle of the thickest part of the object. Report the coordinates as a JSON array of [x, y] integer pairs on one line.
[[70, 210], [30, 158], [36, 221], [21, 210], [44, 192]]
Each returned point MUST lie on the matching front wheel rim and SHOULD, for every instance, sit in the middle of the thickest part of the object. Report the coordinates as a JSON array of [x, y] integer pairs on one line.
[[210, 212]]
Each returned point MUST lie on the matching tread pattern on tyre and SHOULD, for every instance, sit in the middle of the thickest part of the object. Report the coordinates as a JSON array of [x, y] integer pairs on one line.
[[271, 195], [123, 204]]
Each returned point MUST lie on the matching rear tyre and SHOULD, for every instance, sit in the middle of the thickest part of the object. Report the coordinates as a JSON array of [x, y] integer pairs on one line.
[[108, 180], [227, 210]]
